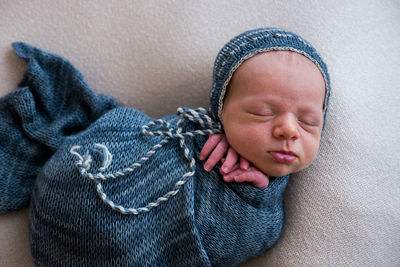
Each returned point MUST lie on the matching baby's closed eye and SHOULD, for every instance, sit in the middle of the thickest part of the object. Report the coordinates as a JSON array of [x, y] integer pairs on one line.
[[309, 121], [260, 112]]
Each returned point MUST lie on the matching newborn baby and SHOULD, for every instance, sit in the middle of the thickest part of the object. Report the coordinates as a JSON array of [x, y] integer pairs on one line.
[[109, 186]]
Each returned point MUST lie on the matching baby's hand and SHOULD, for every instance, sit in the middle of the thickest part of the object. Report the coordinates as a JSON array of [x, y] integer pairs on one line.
[[252, 175], [230, 170], [219, 144]]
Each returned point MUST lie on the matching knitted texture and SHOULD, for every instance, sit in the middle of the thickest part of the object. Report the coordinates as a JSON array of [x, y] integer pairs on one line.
[[110, 186], [249, 44]]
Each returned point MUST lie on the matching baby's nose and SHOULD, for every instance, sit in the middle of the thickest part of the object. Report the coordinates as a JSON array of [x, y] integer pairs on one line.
[[286, 128]]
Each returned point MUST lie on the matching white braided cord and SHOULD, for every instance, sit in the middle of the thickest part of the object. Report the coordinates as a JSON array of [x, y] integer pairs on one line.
[[198, 115]]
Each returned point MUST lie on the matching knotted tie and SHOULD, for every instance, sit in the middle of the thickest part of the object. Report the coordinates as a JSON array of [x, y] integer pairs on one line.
[[154, 128]]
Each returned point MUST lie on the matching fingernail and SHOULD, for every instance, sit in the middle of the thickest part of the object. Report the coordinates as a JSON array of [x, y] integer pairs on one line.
[[207, 167], [225, 169], [201, 157]]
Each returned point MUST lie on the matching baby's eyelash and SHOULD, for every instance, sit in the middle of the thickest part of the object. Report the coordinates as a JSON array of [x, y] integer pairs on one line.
[[261, 112], [308, 123], [261, 115]]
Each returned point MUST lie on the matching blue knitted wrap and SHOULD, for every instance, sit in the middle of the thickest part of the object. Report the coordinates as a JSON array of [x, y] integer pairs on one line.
[[110, 186]]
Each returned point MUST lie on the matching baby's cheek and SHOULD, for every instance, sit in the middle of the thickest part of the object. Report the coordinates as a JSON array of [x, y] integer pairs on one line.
[[310, 152], [247, 141], [237, 139]]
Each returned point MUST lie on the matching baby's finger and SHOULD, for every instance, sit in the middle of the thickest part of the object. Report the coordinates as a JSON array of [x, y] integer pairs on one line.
[[216, 155], [257, 178], [234, 167], [231, 159], [244, 163], [236, 171], [228, 178], [212, 141]]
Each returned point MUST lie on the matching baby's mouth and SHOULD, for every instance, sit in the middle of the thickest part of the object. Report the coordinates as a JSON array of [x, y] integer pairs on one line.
[[283, 156]]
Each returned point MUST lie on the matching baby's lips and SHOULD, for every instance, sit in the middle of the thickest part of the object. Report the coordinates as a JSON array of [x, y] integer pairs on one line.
[[283, 156]]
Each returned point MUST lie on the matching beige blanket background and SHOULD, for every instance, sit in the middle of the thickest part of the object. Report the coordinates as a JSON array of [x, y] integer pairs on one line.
[[157, 55]]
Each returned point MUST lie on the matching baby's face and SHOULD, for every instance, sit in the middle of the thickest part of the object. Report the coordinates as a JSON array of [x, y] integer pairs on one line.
[[273, 111]]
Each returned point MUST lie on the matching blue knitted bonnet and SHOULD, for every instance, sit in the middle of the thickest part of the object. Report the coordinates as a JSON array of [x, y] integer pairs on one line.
[[247, 45]]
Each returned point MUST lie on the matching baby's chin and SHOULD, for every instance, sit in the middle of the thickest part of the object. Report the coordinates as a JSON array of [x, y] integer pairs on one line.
[[277, 173], [278, 170]]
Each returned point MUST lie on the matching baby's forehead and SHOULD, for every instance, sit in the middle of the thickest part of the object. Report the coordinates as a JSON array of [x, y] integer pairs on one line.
[[279, 74]]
